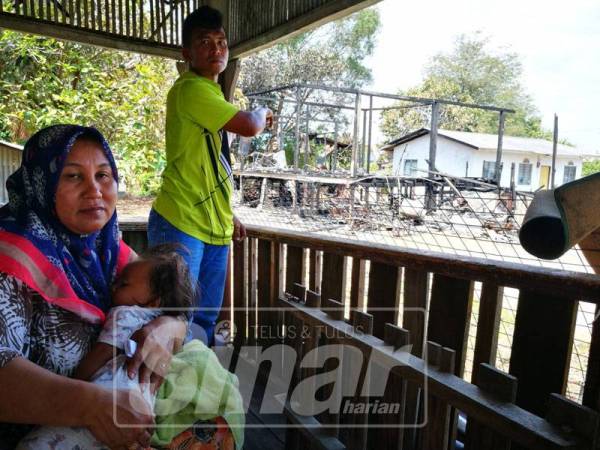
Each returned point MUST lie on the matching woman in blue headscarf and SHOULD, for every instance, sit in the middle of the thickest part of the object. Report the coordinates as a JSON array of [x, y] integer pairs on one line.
[[59, 253]]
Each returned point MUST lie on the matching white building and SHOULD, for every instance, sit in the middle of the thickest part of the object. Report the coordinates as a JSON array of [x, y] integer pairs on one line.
[[464, 154]]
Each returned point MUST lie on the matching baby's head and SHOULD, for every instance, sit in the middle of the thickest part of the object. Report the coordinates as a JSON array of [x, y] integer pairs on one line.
[[158, 279]]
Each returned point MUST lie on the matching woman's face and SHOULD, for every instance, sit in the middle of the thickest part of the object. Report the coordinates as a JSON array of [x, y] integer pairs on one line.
[[86, 194]]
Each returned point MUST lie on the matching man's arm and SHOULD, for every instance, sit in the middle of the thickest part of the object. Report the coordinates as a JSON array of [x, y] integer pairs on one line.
[[96, 358], [249, 123]]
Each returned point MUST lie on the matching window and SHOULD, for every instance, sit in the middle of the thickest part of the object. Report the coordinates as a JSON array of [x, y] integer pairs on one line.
[[489, 170], [524, 173], [570, 171], [410, 167]]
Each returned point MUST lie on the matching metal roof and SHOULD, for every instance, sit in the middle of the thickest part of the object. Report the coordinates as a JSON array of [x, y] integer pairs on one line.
[[11, 145], [484, 141]]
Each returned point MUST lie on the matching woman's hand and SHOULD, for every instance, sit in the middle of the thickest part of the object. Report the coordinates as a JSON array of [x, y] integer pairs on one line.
[[157, 342], [120, 419]]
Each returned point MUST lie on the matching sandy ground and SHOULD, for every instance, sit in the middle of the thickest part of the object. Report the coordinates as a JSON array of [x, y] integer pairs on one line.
[[134, 208]]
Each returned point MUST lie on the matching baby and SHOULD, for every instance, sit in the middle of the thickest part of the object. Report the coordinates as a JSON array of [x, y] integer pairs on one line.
[[158, 279]]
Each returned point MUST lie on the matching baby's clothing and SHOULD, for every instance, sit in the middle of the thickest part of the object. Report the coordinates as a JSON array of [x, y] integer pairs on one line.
[[121, 323]]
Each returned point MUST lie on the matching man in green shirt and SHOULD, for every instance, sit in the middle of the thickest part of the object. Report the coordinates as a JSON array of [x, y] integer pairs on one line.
[[193, 207]]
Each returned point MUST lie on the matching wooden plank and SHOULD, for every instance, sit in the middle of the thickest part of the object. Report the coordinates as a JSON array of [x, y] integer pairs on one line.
[[127, 18], [295, 266], [591, 392], [568, 415], [240, 313], [449, 315], [415, 306], [136, 240], [251, 286], [381, 300], [392, 434], [437, 431], [162, 22], [133, 18], [357, 286], [92, 13], [267, 319], [502, 387], [314, 269], [141, 9], [152, 23], [315, 435], [86, 14], [332, 282], [486, 343], [541, 349]]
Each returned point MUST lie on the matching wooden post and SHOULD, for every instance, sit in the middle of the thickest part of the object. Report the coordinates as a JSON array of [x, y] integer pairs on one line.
[[335, 147], [298, 111], [554, 148], [541, 349], [370, 134], [363, 144], [429, 198], [498, 170], [513, 190], [354, 162], [228, 79], [433, 135], [307, 126]]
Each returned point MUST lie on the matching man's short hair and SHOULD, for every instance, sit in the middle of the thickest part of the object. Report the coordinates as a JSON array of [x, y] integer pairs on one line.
[[204, 17]]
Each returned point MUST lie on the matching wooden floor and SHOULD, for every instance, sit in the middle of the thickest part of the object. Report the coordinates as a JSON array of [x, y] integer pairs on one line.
[[263, 431], [258, 437]]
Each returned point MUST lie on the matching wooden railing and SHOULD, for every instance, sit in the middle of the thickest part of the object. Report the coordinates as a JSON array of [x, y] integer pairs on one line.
[[433, 315]]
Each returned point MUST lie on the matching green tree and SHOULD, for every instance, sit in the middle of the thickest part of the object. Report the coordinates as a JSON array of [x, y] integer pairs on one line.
[[46, 81], [472, 72], [590, 167]]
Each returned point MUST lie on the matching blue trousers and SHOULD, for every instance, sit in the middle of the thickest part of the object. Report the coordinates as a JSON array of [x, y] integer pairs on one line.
[[207, 265]]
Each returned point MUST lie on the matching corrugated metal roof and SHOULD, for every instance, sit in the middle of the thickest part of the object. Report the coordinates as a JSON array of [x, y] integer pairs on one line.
[[11, 145], [483, 141]]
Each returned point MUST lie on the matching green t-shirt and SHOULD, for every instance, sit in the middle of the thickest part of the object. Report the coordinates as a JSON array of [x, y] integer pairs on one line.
[[195, 195]]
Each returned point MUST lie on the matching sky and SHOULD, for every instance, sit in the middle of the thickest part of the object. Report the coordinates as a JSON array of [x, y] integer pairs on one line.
[[558, 43]]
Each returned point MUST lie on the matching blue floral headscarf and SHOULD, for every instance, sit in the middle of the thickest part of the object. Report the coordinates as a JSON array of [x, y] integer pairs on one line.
[[89, 261]]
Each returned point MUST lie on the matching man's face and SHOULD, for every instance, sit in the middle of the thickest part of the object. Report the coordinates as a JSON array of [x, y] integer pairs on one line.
[[208, 52]]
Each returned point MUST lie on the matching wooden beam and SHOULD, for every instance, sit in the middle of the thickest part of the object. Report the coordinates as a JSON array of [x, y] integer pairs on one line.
[[228, 79], [64, 32], [334, 10]]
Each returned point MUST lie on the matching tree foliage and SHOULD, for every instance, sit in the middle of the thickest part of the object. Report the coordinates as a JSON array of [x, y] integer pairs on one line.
[[331, 55], [46, 81], [590, 167], [472, 72]]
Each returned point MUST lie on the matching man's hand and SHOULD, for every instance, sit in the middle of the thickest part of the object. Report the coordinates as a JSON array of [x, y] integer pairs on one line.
[[269, 119], [239, 230]]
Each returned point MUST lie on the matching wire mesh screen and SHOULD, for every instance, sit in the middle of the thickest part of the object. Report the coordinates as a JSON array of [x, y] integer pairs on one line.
[[440, 214]]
